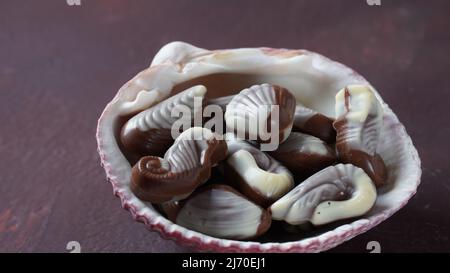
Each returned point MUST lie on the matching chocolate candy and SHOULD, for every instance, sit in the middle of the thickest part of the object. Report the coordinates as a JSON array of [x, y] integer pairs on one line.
[[304, 154], [311, 122], [186, 165], [149, 132], [335, 193], [256, 174], [358, 125], [260, 185], [252, 114], [222, 102], [219, 210]]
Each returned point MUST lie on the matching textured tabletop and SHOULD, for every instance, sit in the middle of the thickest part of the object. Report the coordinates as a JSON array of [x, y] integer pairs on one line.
[[61, 64]]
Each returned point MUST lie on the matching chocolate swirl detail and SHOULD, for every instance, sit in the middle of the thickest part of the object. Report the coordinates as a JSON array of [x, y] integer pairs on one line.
[[337, 192], [149, 132], [186, 165], [358, 125], [254, 173]]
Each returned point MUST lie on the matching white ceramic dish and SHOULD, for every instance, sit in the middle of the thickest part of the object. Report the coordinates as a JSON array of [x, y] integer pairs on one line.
[[314, 80]]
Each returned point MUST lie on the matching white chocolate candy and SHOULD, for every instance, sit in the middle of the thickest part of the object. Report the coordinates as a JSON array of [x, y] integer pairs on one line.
[[314, 200]]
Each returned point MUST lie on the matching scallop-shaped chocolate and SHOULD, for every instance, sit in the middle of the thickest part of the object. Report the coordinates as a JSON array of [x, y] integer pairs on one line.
[[358, 124], [264, 113], [219, 210], [186, 165], [149, 132], [337, 192], [256, 174], [303, 154], [311, 122]]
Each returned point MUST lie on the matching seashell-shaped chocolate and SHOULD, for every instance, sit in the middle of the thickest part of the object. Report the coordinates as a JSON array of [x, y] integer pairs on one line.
[[186, 165], [149, 132], [313, 123], [304, 154], [264, 113], [337, 192], [256, 174], [220, 211], [358, 125]]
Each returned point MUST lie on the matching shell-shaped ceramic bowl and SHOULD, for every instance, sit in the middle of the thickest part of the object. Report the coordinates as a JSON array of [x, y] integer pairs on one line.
[[312, 78]]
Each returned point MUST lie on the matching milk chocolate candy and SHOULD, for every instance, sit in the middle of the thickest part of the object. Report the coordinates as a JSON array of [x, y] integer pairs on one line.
[[186, 165], [311, 122], [220, 211], [260, 177], [149, 132], [264, 113], [337, 192], [222, 102], [358, 125], [304, 154]]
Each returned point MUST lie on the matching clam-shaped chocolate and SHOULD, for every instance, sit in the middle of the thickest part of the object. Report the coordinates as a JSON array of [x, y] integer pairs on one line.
[[358, 125], [309, 121], [264, 113], [221, 211], [186, 165], [335, 193], [150, 131], [303, 154], [312, 78], [255, 173]]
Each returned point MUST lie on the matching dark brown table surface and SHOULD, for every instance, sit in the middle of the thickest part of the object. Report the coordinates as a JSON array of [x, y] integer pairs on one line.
[[61, 64]]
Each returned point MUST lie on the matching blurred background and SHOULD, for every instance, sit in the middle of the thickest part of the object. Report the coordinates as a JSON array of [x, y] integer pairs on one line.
[[60, 65]]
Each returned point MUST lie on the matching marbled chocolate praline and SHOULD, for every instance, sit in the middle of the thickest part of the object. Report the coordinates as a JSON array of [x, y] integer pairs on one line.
[[256, 174], [311, 122], [337, 192], [221, 211], [222, 102], [253, 104], [358, 124], [303, 154], [186, 165], [149, 132]]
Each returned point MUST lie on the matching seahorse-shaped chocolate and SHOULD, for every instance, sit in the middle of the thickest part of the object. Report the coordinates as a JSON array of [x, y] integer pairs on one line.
[[149, 132], [359, 120]]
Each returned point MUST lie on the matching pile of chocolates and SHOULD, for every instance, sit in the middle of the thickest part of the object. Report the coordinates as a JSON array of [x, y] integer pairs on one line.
[[321, 169]]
